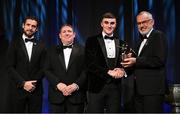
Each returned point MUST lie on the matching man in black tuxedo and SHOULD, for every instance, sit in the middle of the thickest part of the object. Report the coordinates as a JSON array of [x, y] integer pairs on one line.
[[65, 71], [25, 67], [150, 66], [104, 70]]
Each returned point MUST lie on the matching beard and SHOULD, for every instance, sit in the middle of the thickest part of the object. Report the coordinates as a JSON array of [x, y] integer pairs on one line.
[[144, 32], [29, 33]]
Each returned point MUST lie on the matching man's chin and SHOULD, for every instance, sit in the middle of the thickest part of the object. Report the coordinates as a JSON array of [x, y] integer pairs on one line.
[[109, 33], [143, 33], [29, 35]]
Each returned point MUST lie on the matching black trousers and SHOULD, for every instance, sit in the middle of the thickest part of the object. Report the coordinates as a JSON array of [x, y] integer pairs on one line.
[[107, 100], [29, 104], [149, 103], [67, 107]]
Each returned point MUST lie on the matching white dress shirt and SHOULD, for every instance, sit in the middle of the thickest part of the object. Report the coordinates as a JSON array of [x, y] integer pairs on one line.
[[29, 46], [110, 46], [67, 54], [144, 42]]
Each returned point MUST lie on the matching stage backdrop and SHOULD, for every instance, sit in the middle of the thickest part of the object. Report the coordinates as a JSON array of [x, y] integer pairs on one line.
[[84, 15]]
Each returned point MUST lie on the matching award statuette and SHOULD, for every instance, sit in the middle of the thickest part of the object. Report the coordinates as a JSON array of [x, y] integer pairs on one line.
[[173, 97], [125, 50]]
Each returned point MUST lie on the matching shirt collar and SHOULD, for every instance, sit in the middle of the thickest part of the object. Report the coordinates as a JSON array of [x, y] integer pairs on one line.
[[24, 37], [104, 34], [148, 34], [67, 44]]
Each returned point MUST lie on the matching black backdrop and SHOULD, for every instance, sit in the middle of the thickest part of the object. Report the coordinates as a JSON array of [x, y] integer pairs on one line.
[[85, 15]]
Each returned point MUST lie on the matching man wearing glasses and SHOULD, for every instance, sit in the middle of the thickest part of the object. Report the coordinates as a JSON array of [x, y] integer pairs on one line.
[[150, 66]]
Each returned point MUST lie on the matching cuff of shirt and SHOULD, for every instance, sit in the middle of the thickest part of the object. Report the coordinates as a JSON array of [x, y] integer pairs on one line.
[[125, 74], [77, 87]]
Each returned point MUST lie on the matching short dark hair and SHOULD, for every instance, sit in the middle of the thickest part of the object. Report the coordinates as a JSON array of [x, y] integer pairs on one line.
[[108, 15], [69, 25], [32, 18]]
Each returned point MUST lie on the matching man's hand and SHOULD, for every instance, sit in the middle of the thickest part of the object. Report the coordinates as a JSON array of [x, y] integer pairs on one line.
[[128, 62], [71, 88], [30, 85], [67, 90], [116, 72], [62, 87]]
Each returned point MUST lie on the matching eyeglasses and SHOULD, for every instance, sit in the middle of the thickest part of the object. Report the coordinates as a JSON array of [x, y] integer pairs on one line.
[[143, 22]]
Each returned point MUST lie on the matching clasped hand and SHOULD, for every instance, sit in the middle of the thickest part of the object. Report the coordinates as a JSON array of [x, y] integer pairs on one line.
[[67, 89], [117, 73], [30, 85]]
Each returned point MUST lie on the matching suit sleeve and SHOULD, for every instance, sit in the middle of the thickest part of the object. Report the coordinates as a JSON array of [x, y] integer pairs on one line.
[[82, 79], [91, 61], [40, 73], [11, 64], [48, 69]]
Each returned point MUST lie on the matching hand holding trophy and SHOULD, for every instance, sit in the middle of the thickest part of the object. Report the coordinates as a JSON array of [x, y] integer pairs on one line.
[[127, 54], [126, 51]]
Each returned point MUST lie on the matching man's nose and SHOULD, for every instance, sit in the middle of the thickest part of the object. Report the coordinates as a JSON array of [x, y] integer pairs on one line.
[[30, 27], [67, 34], [109, 25]]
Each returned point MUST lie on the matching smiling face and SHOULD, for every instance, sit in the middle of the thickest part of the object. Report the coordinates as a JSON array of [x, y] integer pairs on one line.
[[108, 25], [30, 27], [145, 22], [67, 35]]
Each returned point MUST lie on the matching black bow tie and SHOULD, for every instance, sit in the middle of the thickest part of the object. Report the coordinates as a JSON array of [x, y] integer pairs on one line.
[[144, 37], [69, 46], [29, 40], [107, 37]]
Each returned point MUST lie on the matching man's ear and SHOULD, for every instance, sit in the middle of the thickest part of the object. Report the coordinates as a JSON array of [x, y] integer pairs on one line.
[[23, 25], [74, 34], [101, 24]]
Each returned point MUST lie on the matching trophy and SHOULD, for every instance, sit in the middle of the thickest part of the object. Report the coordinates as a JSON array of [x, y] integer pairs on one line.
[[125, 50], [174, 97]]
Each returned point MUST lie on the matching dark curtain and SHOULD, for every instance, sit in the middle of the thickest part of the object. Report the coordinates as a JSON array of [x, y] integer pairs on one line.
[[85, 15]]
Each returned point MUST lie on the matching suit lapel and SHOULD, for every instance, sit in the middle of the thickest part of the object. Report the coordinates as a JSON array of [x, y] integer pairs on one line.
[[103, 48], [102, 45], [23, 47], [60, 56], [73, 55], [34, 49], [117, 49], [144, 47], [147, 42]]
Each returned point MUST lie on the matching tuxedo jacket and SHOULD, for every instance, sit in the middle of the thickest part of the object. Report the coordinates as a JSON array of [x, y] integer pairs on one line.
[[97, 63], [150, 68], [20, 69], [56, 72]]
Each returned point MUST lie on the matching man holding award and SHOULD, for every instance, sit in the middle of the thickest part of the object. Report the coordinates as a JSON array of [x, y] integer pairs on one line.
[[149, 66]]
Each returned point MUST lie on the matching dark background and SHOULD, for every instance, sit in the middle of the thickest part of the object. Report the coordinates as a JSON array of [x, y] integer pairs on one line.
[[85, 15]]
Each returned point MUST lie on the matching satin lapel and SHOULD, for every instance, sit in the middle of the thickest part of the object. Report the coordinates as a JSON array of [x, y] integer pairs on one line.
[[60, 56], [138, 45], [117, 50], [147, 42], [34, 50], [144, 47], [23, 47], [103, 48], [73, 55]]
